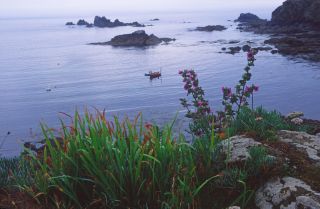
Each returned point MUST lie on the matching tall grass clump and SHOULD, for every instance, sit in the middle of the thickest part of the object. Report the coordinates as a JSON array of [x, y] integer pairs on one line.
[[102, 164]]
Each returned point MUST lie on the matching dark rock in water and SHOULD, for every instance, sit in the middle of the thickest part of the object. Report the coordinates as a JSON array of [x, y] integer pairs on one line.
[[90, 25], [285, 40], [82, 22], [266, 48], [234, 50], [246, 48], [297, 11], [234, 42], [167, 40], [138, 39], [248, 18], [274, 51], [295, 46], [70, 23], [211, 28], [155, 19], [223, 48], [103, 22]]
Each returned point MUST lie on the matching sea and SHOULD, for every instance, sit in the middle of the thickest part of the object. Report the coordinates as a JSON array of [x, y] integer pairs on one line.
[[48, 71]]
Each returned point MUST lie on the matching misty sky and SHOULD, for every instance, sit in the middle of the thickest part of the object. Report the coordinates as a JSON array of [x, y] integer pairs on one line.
[[51, 7]]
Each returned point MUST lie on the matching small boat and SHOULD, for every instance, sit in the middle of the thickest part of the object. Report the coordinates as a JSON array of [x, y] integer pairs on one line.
[[153, 75]]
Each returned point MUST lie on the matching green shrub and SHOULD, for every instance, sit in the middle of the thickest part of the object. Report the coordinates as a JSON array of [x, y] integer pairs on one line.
[[260, 123], [258, 160]]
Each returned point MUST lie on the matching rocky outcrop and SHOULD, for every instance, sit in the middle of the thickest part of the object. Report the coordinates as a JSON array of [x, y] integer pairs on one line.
[[103, 22], [309, 144], [297, 12], [138, 39], [155, 19], [249, 18], [295, 27], [287, 193], [237, 148], [211, 28]]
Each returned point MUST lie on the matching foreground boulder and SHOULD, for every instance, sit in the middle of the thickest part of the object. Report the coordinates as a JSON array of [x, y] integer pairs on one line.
[[103, 22], [287, 193], [138, 39], [211, 28], [309, 144], [238, 147]]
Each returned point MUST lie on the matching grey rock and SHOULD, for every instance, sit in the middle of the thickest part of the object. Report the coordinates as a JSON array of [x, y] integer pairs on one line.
[[237, 147], [307, 143], [287, 193], [293, 115]]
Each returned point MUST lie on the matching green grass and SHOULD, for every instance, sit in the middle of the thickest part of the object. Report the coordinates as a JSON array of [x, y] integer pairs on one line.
[[259, 123], [103, 164], [14, 171], [113, 164]]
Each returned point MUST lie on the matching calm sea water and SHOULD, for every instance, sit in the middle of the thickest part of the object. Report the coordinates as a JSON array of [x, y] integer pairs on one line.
[[41, 53]]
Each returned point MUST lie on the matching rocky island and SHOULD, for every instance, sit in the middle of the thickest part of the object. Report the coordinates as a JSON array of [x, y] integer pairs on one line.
[[137, 39], [103, 22], [294, 27], [210, 28]]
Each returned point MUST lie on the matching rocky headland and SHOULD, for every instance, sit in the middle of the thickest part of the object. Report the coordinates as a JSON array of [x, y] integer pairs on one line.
[[294, 28], [136, 39]]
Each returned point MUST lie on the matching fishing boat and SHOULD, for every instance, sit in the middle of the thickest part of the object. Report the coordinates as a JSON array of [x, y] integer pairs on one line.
[[153, 75]]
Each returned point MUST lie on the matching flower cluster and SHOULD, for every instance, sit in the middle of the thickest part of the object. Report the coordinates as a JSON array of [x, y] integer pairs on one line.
[[233, 102], [198, 108]]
